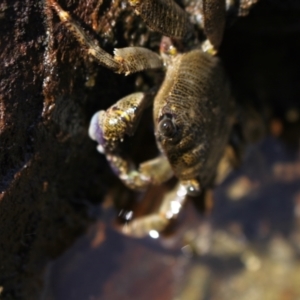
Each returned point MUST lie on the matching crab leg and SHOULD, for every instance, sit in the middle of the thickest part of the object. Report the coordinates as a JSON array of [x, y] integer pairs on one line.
[[166, 17], [125, 60], [163, 16], [152, 224], [154, 171], [214, 16]]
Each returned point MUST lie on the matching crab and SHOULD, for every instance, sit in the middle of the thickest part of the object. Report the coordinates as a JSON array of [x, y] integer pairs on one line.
[[193, 112]]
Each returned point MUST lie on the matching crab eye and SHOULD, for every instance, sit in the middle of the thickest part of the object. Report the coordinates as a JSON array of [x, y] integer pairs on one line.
[[166, 126]]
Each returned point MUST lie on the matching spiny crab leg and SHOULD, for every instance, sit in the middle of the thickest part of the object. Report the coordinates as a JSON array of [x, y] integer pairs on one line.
[[154, 223], [125, 60]]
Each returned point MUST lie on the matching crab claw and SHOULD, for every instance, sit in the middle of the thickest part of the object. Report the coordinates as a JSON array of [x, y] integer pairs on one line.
[[96, 131], [108, 129]]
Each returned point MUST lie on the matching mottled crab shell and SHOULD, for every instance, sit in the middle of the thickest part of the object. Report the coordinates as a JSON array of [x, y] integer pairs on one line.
[[195, 96]]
